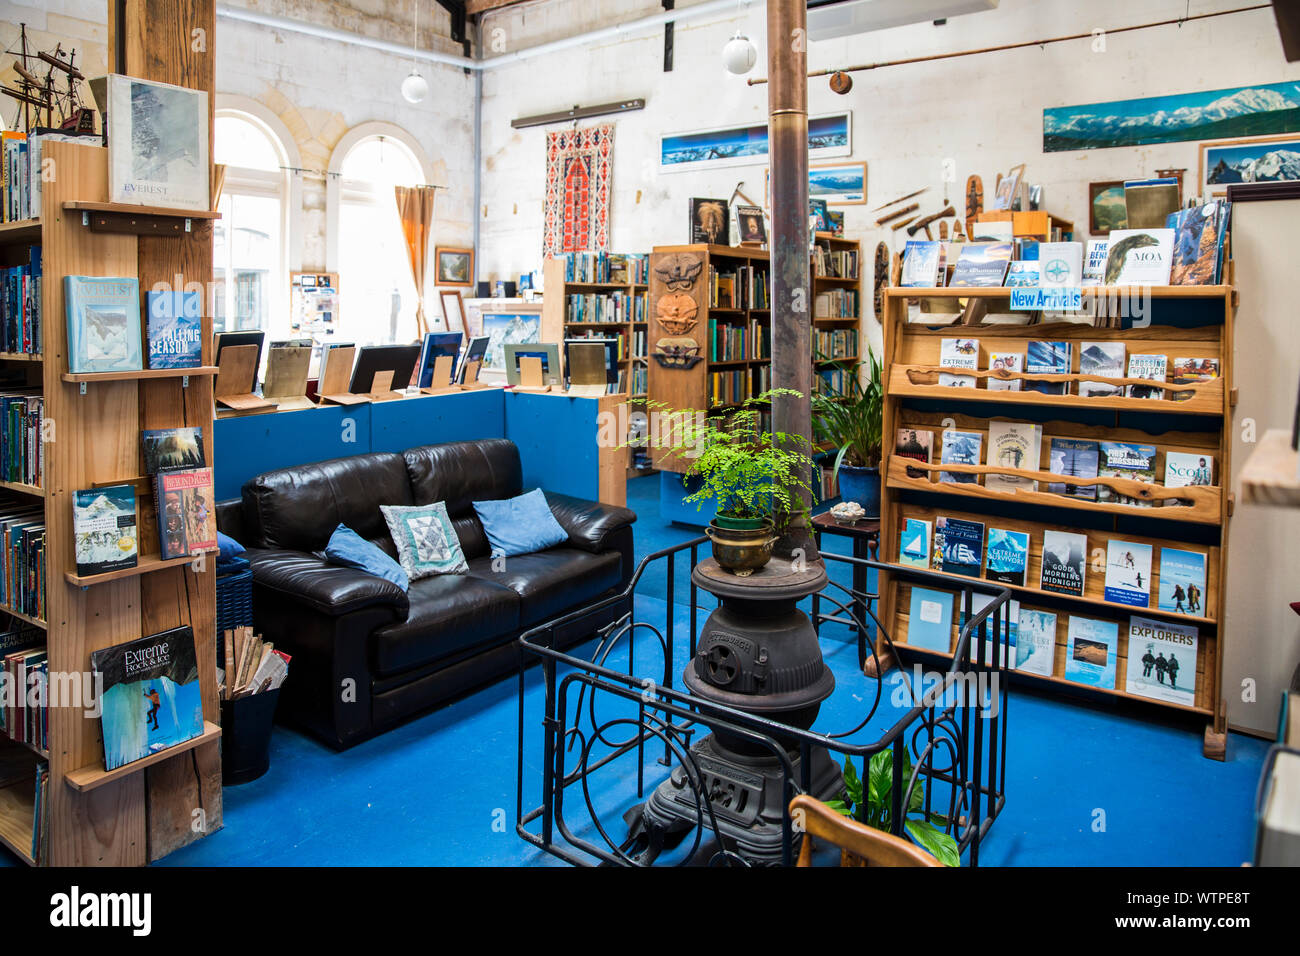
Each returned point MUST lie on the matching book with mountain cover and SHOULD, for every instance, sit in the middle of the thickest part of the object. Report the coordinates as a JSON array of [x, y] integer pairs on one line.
[[1162, 660], [1036, 641], [1091, 652], [1064, 556], [175, 329], [103, 323], [1008, 556], [1014, 445], [914, 543], [1128, 573], [172, 449], [104, 526], [961, 448], [1048, 358], [1073, 458], [1104, 359], [1126, 460], [982, 264], [963, 546]]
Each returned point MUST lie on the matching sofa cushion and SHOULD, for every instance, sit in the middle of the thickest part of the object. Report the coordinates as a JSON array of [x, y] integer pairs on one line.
[[298, 508], [460, 473], [426, 543], [348, 549], [551, 582], [520, 525], [449, 612]]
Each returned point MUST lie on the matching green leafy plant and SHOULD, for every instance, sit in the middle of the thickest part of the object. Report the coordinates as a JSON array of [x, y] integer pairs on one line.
[[850, 420], [746, 471], [872, 803]]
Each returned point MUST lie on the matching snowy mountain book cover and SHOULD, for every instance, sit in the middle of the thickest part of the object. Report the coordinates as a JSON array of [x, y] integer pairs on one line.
[[149, 695], [1090, 656], [104, 526], [1162, 660], [1008, 556], [175, 329], [103, 324]]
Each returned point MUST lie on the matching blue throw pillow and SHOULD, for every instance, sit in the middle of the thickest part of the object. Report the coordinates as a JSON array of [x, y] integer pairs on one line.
[[349, 549], [520, 525], [228, 547]]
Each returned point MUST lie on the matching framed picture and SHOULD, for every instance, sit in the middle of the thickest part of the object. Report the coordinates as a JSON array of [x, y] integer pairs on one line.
[[453, 266], [840, 184], [1259, 159], [1106, 208], [518, 324], [828, 135], [453, 309], [157, 144], [1008, 185]]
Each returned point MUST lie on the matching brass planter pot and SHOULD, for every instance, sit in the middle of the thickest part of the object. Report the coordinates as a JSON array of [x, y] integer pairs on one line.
[[742, 552]]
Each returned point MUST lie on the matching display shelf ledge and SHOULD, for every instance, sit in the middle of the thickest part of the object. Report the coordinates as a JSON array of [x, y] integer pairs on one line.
[[91, 778]]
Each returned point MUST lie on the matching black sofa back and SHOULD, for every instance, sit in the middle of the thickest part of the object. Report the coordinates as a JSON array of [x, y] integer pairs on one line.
[[461, 473]]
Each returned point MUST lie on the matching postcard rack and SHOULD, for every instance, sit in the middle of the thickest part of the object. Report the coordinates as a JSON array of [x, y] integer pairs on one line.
[[1181, 321]]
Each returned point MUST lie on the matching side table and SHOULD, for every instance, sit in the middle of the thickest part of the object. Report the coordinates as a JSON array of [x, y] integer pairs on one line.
[[865, 536]]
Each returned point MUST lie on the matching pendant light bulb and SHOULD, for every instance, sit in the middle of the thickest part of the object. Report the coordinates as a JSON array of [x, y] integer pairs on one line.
[[415, 87], [739, 55]]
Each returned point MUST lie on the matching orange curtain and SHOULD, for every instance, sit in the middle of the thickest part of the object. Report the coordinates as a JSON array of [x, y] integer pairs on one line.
[[415, 210]]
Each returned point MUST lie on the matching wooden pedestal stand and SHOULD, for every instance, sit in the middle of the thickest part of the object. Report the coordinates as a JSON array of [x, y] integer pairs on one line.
[[333, 388], [236, 381], [286, 377]]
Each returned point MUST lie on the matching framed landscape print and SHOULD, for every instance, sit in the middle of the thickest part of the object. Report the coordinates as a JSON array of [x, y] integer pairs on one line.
[[829, 135], [839, 184], [453, 266], [157, 144], [1106, 208], [1262, 159], [517, 324]]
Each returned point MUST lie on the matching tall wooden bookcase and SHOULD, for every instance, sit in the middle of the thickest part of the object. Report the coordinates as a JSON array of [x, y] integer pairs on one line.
[[1185, 321]]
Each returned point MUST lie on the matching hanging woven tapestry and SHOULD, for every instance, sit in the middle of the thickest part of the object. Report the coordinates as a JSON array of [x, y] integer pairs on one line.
[[577, 190]]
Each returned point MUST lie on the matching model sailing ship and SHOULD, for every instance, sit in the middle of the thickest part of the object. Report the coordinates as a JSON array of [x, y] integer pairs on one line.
[[54, 100]]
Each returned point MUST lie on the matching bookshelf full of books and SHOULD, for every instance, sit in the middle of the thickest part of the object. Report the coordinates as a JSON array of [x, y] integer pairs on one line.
[[837, 308], [1078, 461]]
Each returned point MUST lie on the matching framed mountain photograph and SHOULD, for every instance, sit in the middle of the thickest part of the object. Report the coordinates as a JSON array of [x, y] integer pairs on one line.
[[157, 144], [1261, 159]]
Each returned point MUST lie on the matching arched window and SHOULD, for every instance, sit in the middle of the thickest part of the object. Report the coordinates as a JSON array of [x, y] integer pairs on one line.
[[376, 293], [250, 272]]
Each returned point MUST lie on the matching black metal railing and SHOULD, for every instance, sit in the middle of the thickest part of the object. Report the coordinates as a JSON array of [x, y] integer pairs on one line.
[[952, 734]]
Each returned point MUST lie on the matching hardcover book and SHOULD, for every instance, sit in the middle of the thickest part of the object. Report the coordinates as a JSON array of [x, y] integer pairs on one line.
[[187, 522], [999, 636], [103, 324], [1064, 554], [103, 524], [929, 619], [1162, 660], [982, 264], [1190, 370], [175, 327], [1198, 240], [1128, 573], [958, 353], [1008, 556], [916, 444], [172, 449], [960, 448], [1149, 367], [1126, 460], [1105, 359], [1139, 257], [1008, 362], [920, 264], [1091, 651], [914, 543], [1182, 582], [1016, 445], [1036, 641], [1073, 458], [963, 546], [1049, 358], [157, 144], [1060, 264], [150, 695], [1022, 274]]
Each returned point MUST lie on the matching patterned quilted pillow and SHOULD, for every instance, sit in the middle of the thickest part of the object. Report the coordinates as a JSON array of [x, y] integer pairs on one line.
[[426, 541]]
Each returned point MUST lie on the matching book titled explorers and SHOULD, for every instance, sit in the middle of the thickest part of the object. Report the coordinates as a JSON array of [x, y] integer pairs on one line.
[[103, 324], [187, 522], [149, 695], [103, 524], [1162, 660]]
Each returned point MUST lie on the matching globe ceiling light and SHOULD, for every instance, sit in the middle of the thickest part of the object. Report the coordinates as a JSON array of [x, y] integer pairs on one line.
[[415, 87], [739, 55]]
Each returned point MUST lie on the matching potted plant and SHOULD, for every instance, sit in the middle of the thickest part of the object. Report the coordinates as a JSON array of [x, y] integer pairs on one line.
[[871, 802], [752, 476], [850, 422]]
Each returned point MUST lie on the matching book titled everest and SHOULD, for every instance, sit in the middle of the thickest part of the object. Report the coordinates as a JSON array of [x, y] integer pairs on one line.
[[1152, 368], [960, 448], [958, 353], [1126, 460], [963, 545], [920, 264], [172, 449], [103, 324], [1005, 362], [1139, 257], [1022, 274], [157, 144], [1007, 557], [1162, 660], [1036, 641], [1064, 554], [1073, 458], [1184, 468], [914, 543], [103, 526], [187, 522], [1103, 359], [982, 264], [1048, 358], [1128, 573], [1094, 261], [1060, 264], [999, 636], [1188, 371], [174, 327], [929, 619], [1182, 582], [917, 444], [1017, 445], [1091, 651], [149, 696]]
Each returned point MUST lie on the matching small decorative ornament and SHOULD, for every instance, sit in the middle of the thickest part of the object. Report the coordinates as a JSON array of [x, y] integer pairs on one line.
[[848, 512], [841, 82], [739, 55]]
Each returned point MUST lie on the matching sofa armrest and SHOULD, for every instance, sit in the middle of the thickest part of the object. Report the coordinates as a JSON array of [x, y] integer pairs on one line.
[[324, 587], [590, 524]]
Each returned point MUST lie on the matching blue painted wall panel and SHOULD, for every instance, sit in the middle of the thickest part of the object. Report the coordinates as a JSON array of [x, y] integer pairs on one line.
[[435, 419], [249, 445], [556, 436]]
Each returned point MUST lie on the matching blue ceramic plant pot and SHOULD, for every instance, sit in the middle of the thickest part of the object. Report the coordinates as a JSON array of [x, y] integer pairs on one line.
[[863, 486]]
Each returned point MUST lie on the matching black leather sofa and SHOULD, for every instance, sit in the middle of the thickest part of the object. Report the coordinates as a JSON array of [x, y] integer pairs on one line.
[[365, 654]]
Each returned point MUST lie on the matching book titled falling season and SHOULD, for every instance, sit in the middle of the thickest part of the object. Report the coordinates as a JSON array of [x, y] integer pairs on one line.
[[1064, 554], [960, 448], [103, 324], [1162, 660], [1005, 362], [963, 546], [1048, 358], [172, 449], [175, 329], [1014, 445], [1090, 654], [187, 521], [914, 543], [1126, 460], [1036, 641], [916, 444], [1008, 556], [1073, 458], [958, 353], [1103, 359], [150, 697], [1182, 581], [103, 525], [1128, 573]]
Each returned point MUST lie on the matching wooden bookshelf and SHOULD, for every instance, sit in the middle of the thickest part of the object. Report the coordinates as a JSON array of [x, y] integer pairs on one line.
[[1184, 321], [1034, 224]]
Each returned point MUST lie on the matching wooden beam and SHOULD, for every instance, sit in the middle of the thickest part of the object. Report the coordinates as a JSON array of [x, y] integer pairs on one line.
[[473, 7]]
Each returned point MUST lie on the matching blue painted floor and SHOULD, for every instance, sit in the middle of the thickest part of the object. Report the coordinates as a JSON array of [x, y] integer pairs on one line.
[[1087, 785]]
